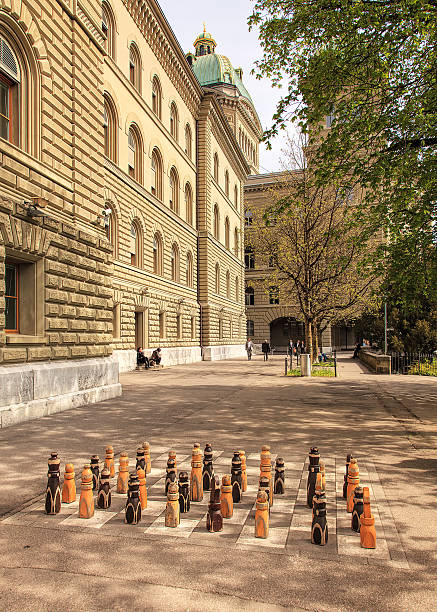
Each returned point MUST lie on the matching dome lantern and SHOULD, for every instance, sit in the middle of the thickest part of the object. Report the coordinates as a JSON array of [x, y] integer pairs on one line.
[[204, 43]]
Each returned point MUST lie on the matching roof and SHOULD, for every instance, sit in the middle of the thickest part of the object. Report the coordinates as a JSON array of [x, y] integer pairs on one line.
[[213, 68]]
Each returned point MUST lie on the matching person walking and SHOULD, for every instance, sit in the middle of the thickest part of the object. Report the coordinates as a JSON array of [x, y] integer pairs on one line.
[[290, 347], [265, 347], [249, 348]]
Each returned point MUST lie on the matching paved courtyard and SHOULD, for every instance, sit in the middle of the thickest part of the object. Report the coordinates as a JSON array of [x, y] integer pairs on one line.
[[388, 423]]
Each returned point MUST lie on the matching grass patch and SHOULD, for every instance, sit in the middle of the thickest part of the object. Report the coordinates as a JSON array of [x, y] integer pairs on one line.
[[425, 368], [295, 372], [323, 372]]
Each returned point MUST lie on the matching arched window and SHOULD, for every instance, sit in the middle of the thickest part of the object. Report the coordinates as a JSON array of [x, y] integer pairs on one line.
[[111, 228], [135, 66], [248, 218], [236, 196], [108, 27], [249, 258], [135, 154], [188, 141], [174, 190], [189, 270], [236, 242], [174, 121], [175, 263], [110, 125], [156, 96], [216, 227], [156, 167], [237, 288], [250, 328], [217, 278], [216, 167], [227, 232], [188, 204], [249, 296], [157, 254], [228, 284], [273, 295], [227, 183], [136, 244]]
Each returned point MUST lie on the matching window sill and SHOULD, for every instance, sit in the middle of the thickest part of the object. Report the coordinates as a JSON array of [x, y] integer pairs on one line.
[[22, 339]]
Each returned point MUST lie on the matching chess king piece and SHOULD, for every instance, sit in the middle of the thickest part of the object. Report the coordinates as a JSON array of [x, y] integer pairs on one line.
[[322, 472], [214, 519], [104, 494], [140, 459], [262, 515], [348, 460], [243, 471], [226, 501], [264, 485], [184, 493], [353, 480], [358, 508], [319, 526], [279, 488], [123, 473], [208, 469], [86, 501], [143, 488], [236, 478], [172, 516], [95, 470], [171, 475], [196, 482], [266, 458], [69, 486], [172, 455], [147, 459], [367, 527], [266, 472], [109, 461], [133, 505], [53, 493], [313, 470]]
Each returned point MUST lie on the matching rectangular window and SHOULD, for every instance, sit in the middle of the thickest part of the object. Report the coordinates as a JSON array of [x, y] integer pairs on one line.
[[4, 110], [179, 326], [193, 327], [11, 298], [162, 324]]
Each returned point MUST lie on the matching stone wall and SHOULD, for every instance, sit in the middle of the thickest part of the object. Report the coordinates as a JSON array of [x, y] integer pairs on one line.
[[380, 364]]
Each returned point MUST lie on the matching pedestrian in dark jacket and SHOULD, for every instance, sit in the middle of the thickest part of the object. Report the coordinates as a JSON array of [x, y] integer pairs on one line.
[[265, 348]]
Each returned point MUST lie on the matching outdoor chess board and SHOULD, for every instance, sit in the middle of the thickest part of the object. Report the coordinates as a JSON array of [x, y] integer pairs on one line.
[[290, 518]]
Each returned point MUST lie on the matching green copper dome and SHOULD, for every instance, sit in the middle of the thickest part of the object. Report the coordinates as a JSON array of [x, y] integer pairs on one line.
[[213, 69]]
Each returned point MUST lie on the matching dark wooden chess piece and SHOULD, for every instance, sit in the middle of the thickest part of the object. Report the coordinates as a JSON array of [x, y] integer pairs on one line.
[[184, 493], [53, 492], [146, 447], [172, 513], [358, 508], [104, 495], [367, 527], [279, 488], [95, 470], [69, 486], [86, 501], [319, 526], [313, 470], [262, 515], [196, 482], [141, 459], [133, 505], [214, 519], [171, 475], [172, 455], [208, 469], [143, 488], [109, 461], [348, 460], [264, 485], [236, 478], [226, 501]]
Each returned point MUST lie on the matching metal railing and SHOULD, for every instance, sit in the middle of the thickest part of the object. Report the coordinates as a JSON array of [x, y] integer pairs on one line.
[[423, 364]]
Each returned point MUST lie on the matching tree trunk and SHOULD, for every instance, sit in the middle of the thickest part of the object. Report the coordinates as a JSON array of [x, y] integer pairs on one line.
[[309, 337], [316, 341]]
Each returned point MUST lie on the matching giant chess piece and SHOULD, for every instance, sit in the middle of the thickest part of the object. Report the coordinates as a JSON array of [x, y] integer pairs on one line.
[[53, 493], [236, 478], [104, 494], [279, 488], [184, 493], [313, 470], [133, 505], [266, 472], [86, 501], [69, 486], [266, 458], [95, 470], [140, 459], [123, 473], [172, 514], [171, 475], [319, 525], [322, 472], [353, 480], [358, 508], [109, 461], [196, 483], [143, 488], [226, 501], [348, 460], [147, 459], [367, 523], [243, 471], [214, 519], [264, 485], [208, 469], [172, 455], [262, 515]]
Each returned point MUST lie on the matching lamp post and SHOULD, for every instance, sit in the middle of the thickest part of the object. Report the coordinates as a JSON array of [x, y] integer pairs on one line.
[[385, 328]]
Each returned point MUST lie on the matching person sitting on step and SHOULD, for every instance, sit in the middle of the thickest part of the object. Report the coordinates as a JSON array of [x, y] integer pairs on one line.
[[155, 359], [141, 358]]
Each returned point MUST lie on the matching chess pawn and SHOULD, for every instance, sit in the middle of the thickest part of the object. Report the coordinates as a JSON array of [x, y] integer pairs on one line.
[[123, 473], [140, 459], [95, 470], [196, 482], [171, 474], [133, 505], [353, 480], [214, 519], [172, 515], [266, 472], [367, 523], [319, 525], [264, 485], [184, 493], [262, 515], [53, 492], [147, 459], [109, 461], [279, 488], [226, 501], [69, 486], [322, 472], [348, 460], [208, 469], [236, 477], [104, 494], [86, 501], [143, 488], [172, 455], [358, 508], [266, 458], [313, 470], [243, 471]]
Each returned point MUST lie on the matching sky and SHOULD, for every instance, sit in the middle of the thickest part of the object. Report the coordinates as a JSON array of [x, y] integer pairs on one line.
[[226, 20]]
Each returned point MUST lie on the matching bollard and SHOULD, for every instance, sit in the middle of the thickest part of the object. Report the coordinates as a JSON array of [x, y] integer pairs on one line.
[[335, 366], [286, 367]]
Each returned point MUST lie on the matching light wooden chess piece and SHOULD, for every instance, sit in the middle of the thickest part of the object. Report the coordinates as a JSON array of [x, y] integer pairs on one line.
[[172, 513], [147, 458], [143, 488], [109, 461], [319, 525], [69, 486], [243, 471], [279, 487], [367, 520], [172, 455], [86, 501], [53, 491], [262, 515], [123, 473], [104, 497], [214, 519], [353, 480], [322, 472], [266, 472], [171, 474], [140, 459], [264, 485], [196, 482], [226, 501], [133, 505], [266, 457]]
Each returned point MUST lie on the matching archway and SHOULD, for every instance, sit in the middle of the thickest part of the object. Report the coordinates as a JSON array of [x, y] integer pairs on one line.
[[284, 329]]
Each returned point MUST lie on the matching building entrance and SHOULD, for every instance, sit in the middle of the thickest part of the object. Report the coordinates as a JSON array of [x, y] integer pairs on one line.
[[284, 329]]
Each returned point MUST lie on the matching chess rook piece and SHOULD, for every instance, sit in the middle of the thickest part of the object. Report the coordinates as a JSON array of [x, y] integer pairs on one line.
[[266, 472], [353, 480], [214, 519], [236, 478], [141, 459], [143, 489], [133, 505], [147, 459], [104, 494], [95, 470], [266, 458], [196, 482], [358, 508], [86, 501], [313, 470], [53, 493], [123, 473], [279, 488], [69, 486], [243, 471], [262, 515], [184, 493], [322, 472], [226, 501], [319, 525], [109, 461], [172, 516], [171, 474], [348, 460], [264, 485], [367, 523], [208, 469], [172, 455]]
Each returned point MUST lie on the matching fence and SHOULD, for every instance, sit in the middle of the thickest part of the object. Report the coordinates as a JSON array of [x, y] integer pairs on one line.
[[424, 364]]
